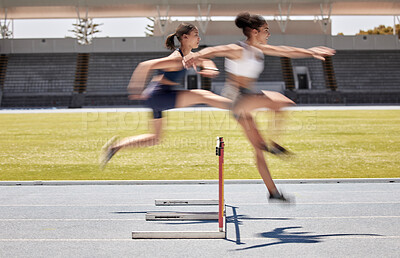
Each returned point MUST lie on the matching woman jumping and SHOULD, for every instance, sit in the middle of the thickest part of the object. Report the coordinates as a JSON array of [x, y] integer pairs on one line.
[[160, 94], [244, 62]]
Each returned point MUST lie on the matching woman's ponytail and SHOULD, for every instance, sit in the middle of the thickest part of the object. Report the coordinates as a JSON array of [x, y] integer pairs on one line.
[[170, 41], [183, 28]]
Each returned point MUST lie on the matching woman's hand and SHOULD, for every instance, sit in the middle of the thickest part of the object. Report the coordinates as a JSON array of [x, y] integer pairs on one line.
[[322, 52], [209, 73], [191, 60]]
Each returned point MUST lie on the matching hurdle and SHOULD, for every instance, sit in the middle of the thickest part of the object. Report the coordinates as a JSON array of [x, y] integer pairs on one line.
[[167, 216]]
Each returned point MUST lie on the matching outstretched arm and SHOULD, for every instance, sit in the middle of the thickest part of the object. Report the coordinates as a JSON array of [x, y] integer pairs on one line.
[[234, 51], [294, 52], [231, 51], [139, 76]]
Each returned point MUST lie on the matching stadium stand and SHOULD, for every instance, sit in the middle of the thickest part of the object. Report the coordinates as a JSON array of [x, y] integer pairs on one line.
[[33, 80], [56, 79], [367, 69], [362, 77], [109, 75], [62, 73], [315, 69]]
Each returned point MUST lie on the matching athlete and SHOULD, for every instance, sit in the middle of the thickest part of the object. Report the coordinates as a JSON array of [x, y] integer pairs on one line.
[[244, 62], [160, 94]]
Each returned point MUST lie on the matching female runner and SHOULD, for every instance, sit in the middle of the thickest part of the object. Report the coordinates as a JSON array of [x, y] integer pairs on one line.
[[161, 94], [244, 62]]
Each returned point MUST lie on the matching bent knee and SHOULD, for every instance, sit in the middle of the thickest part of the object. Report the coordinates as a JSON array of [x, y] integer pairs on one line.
[[157, 139], [241, 115]]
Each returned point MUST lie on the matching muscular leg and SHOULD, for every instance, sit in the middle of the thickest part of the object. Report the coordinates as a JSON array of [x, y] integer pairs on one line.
[[250, 129], [142, 140], [271, 100], [264, 171], [113, 145], [192, 97], [275, 102], [184, 99]]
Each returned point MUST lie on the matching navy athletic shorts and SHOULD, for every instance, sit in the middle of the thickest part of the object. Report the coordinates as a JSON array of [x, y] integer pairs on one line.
[[160, 98]]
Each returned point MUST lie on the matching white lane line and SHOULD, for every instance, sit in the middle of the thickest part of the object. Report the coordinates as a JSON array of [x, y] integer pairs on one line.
[[152, 240], [339, 236], [326, 192], [11, 220], [331, 217], [62, 240], [295, 218], [77, 205], [310, 203], [349, 217], [152, 205]]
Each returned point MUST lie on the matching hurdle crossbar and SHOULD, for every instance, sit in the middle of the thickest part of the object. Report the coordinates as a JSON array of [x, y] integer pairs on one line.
[[186, 202], [220, 215]]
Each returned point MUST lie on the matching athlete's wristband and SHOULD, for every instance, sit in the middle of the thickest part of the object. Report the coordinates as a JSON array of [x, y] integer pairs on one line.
[[210, 68]]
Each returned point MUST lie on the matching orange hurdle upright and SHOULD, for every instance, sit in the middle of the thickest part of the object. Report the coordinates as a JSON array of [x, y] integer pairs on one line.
[[220, 153]]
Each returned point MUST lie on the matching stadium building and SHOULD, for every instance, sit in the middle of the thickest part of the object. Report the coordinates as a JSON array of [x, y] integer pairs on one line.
[[63, 73]]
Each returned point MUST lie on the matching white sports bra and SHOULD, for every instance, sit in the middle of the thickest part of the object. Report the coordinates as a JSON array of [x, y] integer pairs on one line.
[[250, 65]]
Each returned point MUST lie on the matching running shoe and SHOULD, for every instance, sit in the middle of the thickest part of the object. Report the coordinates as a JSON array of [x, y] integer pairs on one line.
[[278, 150], [107, 152], [279, 197]]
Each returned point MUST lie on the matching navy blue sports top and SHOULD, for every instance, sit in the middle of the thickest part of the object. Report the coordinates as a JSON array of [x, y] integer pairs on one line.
[[174, 76]]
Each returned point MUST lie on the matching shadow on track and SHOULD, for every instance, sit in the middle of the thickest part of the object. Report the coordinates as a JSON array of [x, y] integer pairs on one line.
[[283, 236]]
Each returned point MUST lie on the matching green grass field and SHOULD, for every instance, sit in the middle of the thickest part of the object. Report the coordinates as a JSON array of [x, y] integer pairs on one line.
[[327, 144]]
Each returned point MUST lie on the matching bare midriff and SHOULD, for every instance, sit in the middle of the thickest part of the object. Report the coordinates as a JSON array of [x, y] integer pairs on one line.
[[240, 81]]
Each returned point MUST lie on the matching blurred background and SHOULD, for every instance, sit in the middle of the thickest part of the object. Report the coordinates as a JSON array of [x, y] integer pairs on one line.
[[82, 53]]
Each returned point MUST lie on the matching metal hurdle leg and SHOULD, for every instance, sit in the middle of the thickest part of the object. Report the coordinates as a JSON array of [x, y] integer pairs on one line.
[[220, 215], [151, 216], [159, 216], [165, 215]]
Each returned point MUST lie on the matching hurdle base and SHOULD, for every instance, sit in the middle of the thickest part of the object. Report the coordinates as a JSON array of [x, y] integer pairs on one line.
[[178, 235], [186, 202], [165, 216]]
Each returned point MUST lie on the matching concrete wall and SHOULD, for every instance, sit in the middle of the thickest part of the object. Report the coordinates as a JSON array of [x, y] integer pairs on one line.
[[156, 44]]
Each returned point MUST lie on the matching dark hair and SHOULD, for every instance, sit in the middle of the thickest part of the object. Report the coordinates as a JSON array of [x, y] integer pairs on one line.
[[247, 22], [183, 28]]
